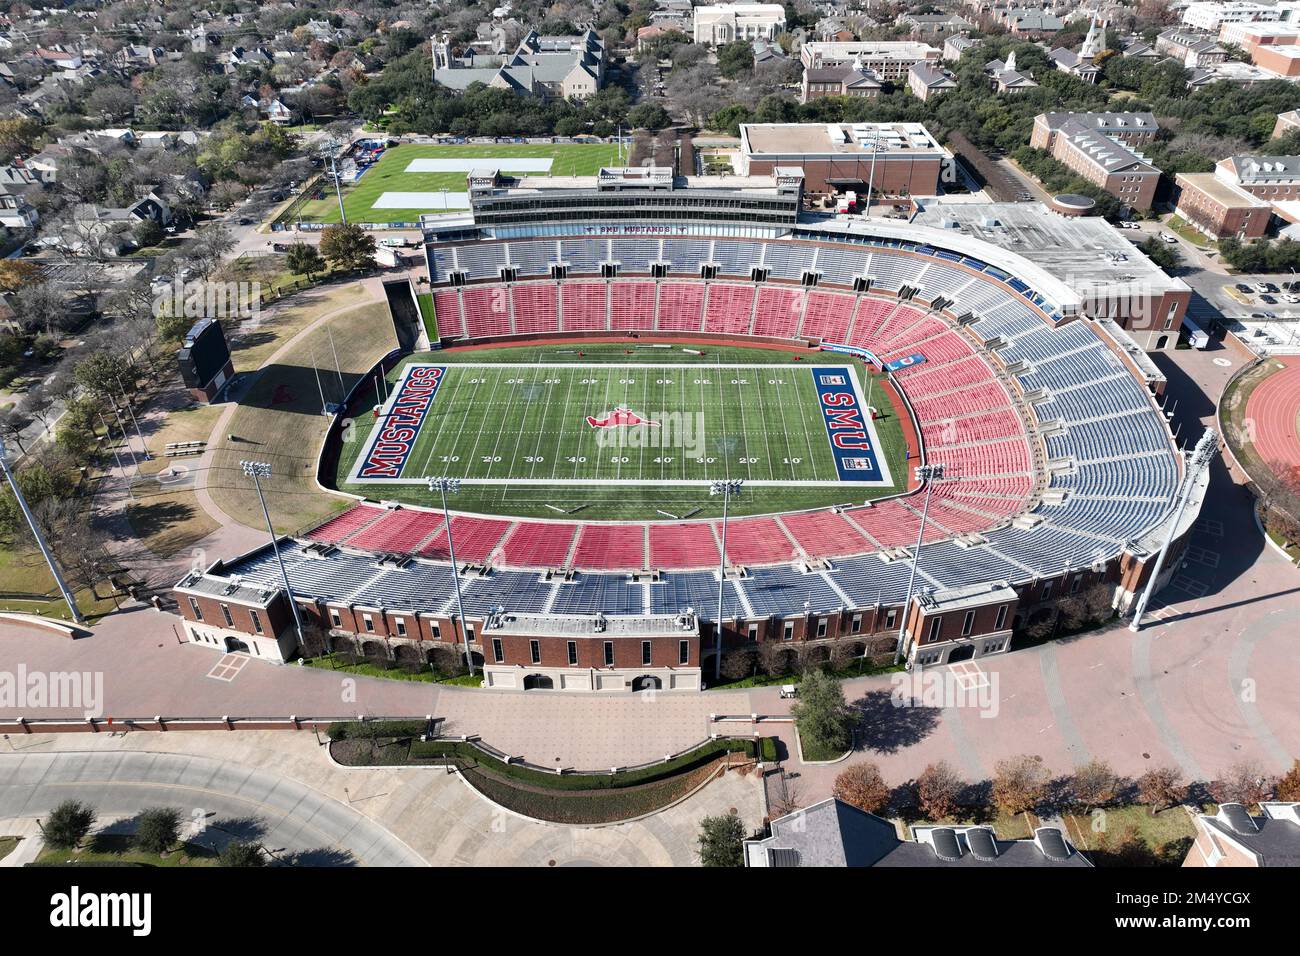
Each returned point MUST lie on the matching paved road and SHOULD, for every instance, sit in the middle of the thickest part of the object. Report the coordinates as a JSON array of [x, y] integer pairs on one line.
[[233, 801]]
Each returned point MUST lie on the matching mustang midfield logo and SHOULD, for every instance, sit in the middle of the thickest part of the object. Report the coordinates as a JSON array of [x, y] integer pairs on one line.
[[619, 417]]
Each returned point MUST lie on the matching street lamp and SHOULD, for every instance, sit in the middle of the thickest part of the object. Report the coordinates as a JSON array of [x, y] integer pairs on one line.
[[444, 486], [257, 470], [726, 488], [928, 474]]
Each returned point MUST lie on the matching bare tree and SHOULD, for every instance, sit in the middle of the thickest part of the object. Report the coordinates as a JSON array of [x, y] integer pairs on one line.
[[1161, 787], [1019, 783], [938, 789]]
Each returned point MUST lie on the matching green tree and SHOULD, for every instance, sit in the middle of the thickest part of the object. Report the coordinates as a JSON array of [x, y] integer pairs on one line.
[[303, 259], [237, 853], [102, 373], [348, 246], [822, 717], [1163, 254], [68, 824], [722, 840], [645, 116], [158, 829], [147, 233], [735, 59]]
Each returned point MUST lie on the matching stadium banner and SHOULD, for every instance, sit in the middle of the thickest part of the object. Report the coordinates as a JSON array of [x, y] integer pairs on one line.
[[854, 350], [852, 438], [392, 441], [896, 364]]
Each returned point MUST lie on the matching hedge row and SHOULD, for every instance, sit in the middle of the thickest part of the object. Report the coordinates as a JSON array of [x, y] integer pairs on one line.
[[429, 751]]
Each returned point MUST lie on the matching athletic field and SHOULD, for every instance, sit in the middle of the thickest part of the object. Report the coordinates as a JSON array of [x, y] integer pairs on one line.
[[409, 180], [627, 433]]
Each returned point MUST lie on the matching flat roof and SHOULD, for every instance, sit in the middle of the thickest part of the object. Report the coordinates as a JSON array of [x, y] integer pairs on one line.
[[836, 139], [1081, 251], [1223, 193]]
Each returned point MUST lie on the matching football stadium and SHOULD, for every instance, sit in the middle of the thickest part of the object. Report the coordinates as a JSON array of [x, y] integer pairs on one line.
[[663, 418]]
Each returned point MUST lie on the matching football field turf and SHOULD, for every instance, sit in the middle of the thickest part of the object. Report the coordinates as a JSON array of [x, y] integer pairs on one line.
[[390, 175], [627, 438]]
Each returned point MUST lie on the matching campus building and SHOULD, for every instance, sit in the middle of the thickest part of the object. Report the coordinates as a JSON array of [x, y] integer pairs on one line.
[[1232, 837], [1103, 149], [558, 67], [887, 60], [839, 80], [893, 159], [727, 23], [833, 833], [1217, 206]]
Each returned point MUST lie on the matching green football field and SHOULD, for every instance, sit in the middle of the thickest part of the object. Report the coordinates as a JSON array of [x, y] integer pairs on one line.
[[389, 175], [620, 434]]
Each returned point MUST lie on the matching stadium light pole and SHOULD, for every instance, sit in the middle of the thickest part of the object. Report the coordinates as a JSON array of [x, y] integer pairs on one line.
[[1199, 459], [257, 470], [68, 597], [929, 474], [443, 486], [725, 488]]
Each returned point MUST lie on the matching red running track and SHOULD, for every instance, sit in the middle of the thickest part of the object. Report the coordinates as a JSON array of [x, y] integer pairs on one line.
[[1273, 407]]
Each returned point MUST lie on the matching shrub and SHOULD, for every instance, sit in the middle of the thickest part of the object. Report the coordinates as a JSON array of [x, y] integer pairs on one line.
[[237, 853], [862, 786], [158, 829], [938, 789], [371, 729], [1019, 783], [1161, 787], [68, 824]]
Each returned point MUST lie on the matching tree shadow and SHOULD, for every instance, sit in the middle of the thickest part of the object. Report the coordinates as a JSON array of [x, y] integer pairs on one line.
[[320, 856], [885, 728]]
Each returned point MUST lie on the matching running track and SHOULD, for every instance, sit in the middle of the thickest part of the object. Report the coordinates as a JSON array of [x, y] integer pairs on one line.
[[1274, 406]]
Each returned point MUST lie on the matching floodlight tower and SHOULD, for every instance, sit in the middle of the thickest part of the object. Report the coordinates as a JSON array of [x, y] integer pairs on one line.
[[928, 474], [727, 488], [257, 470], [68, 597], [444, 487]]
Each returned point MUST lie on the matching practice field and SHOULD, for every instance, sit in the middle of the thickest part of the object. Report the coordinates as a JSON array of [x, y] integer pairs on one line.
[[636, 437], [410, 180]]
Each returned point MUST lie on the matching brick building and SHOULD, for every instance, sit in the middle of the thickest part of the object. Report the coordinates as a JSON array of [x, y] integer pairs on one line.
[[1220, 208], [888, 60], [852, 80], [1233, 838], [1102, 148], [897, 159]]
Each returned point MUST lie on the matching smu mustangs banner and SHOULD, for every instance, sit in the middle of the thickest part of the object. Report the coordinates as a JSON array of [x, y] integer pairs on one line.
[[846, 424], [896, 364], [400, 423]]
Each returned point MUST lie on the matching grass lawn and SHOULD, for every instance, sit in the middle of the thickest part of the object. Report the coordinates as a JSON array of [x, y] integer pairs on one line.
[[8, 844], [1128, 836], [192, 423], [279, 421], [1184, 229], [26, 585], [365, 669], [167, 521], [389, 175], [116, 850], [425, 299], [513, 423]]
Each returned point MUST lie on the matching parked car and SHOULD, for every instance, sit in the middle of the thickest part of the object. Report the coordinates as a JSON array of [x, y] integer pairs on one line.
[[1165, 237], [1268, 300], [1242, 287], [1290, 297]]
